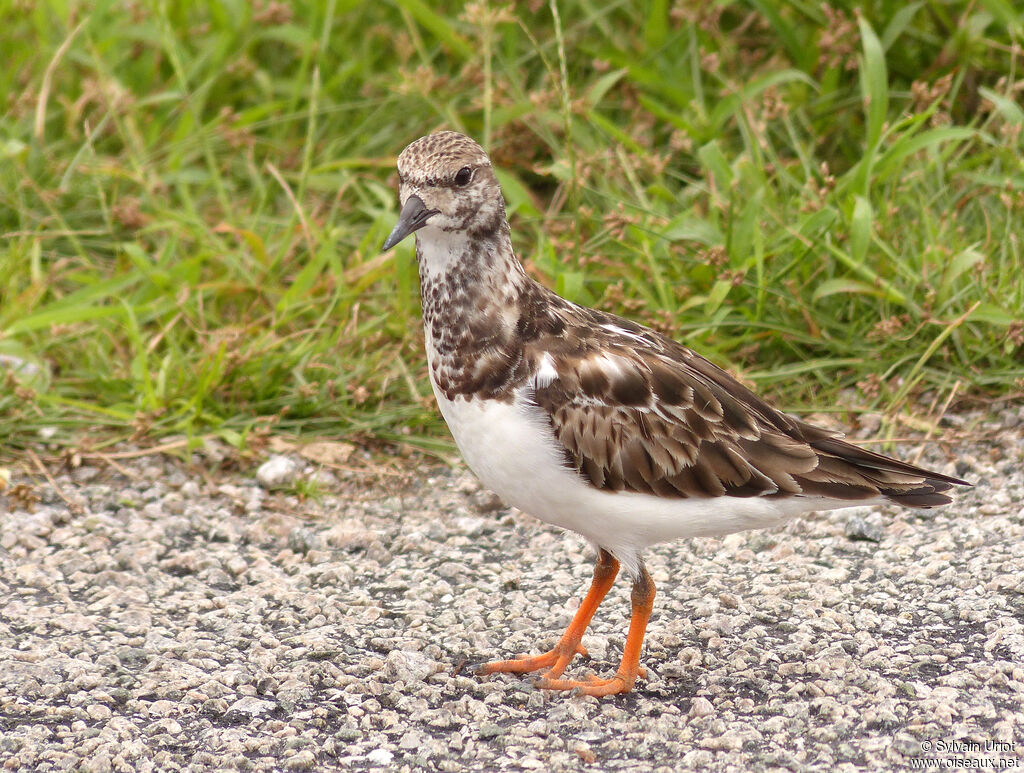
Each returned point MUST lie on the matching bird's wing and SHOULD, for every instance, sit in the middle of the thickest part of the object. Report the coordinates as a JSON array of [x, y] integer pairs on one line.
[[636, 411]]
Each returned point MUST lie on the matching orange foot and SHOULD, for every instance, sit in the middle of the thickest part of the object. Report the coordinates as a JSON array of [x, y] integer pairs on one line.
[[556, 661], [619, 683]]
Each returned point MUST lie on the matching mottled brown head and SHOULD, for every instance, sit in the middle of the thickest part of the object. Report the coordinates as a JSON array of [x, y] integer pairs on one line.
[[447, 185]]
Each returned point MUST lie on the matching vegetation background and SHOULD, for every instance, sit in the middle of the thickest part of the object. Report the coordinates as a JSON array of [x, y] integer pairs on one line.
[[825, 197]]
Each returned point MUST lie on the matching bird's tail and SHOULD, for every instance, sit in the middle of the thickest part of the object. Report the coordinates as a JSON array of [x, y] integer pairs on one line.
[[903, 483]]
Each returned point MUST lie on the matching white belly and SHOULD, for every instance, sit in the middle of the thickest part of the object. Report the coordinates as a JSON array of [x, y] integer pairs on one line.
[[512, 450]]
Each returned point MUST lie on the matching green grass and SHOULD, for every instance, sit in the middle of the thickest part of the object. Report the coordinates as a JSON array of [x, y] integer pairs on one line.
[[192, 199]]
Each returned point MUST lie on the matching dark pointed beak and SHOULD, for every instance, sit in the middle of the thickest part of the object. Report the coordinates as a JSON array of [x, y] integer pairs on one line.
[[413, 217]]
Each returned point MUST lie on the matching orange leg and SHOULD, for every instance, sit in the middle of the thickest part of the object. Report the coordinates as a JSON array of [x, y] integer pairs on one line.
[[569, 645], [642, 602]]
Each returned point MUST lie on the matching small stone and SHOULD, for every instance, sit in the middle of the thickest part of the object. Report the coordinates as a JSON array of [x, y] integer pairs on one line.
[[327, 451], [409, 667], [860, 529], [98, 763], [729, 741], [303, 760], [491, 730], [167, 725], [132, 657], [701, 707], [468, 525], [907, 745], [98, 711], [162, 708], [302, 540], [380, 757], [251, 706], [586, 754], [277, 472], [410, 740], [215, 706], [486, 501], [697, 759]]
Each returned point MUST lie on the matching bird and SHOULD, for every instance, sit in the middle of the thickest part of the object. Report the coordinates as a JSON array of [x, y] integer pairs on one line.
[[597, 424]]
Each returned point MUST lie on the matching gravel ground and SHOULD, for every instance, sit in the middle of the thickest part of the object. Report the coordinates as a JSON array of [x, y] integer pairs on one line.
[[175, 618]]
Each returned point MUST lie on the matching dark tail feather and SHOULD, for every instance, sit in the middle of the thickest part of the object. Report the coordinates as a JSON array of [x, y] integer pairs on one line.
[[920, 498], [903, 483]]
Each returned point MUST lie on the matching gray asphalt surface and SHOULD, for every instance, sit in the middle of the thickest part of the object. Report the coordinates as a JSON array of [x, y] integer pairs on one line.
[[180, 617]]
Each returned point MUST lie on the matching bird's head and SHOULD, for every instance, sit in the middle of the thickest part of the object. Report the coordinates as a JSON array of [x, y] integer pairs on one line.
[[446, 183]]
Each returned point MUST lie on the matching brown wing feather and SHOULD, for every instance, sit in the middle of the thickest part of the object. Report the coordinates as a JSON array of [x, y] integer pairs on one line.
[[636, 411]]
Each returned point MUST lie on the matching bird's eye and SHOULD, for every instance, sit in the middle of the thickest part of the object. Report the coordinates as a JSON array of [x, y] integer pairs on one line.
[[464, 176]]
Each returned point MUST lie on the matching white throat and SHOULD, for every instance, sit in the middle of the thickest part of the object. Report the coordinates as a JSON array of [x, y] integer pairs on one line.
[[438, 251]]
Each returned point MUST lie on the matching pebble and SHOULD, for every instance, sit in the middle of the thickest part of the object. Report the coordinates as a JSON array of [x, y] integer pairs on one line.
[[863, 529], [701, 707], [277, 472], [409, 667], [177, 623], [252, 706], [380, 757]]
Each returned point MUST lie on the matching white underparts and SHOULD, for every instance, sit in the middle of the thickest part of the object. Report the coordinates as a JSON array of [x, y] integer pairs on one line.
[[510, 447]]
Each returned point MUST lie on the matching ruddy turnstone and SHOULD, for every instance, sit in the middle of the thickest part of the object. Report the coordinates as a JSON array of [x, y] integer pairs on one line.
[[597, 424]]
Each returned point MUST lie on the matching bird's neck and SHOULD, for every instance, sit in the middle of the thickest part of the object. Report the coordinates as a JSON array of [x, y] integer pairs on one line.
[[466, 275], [471, 285]]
